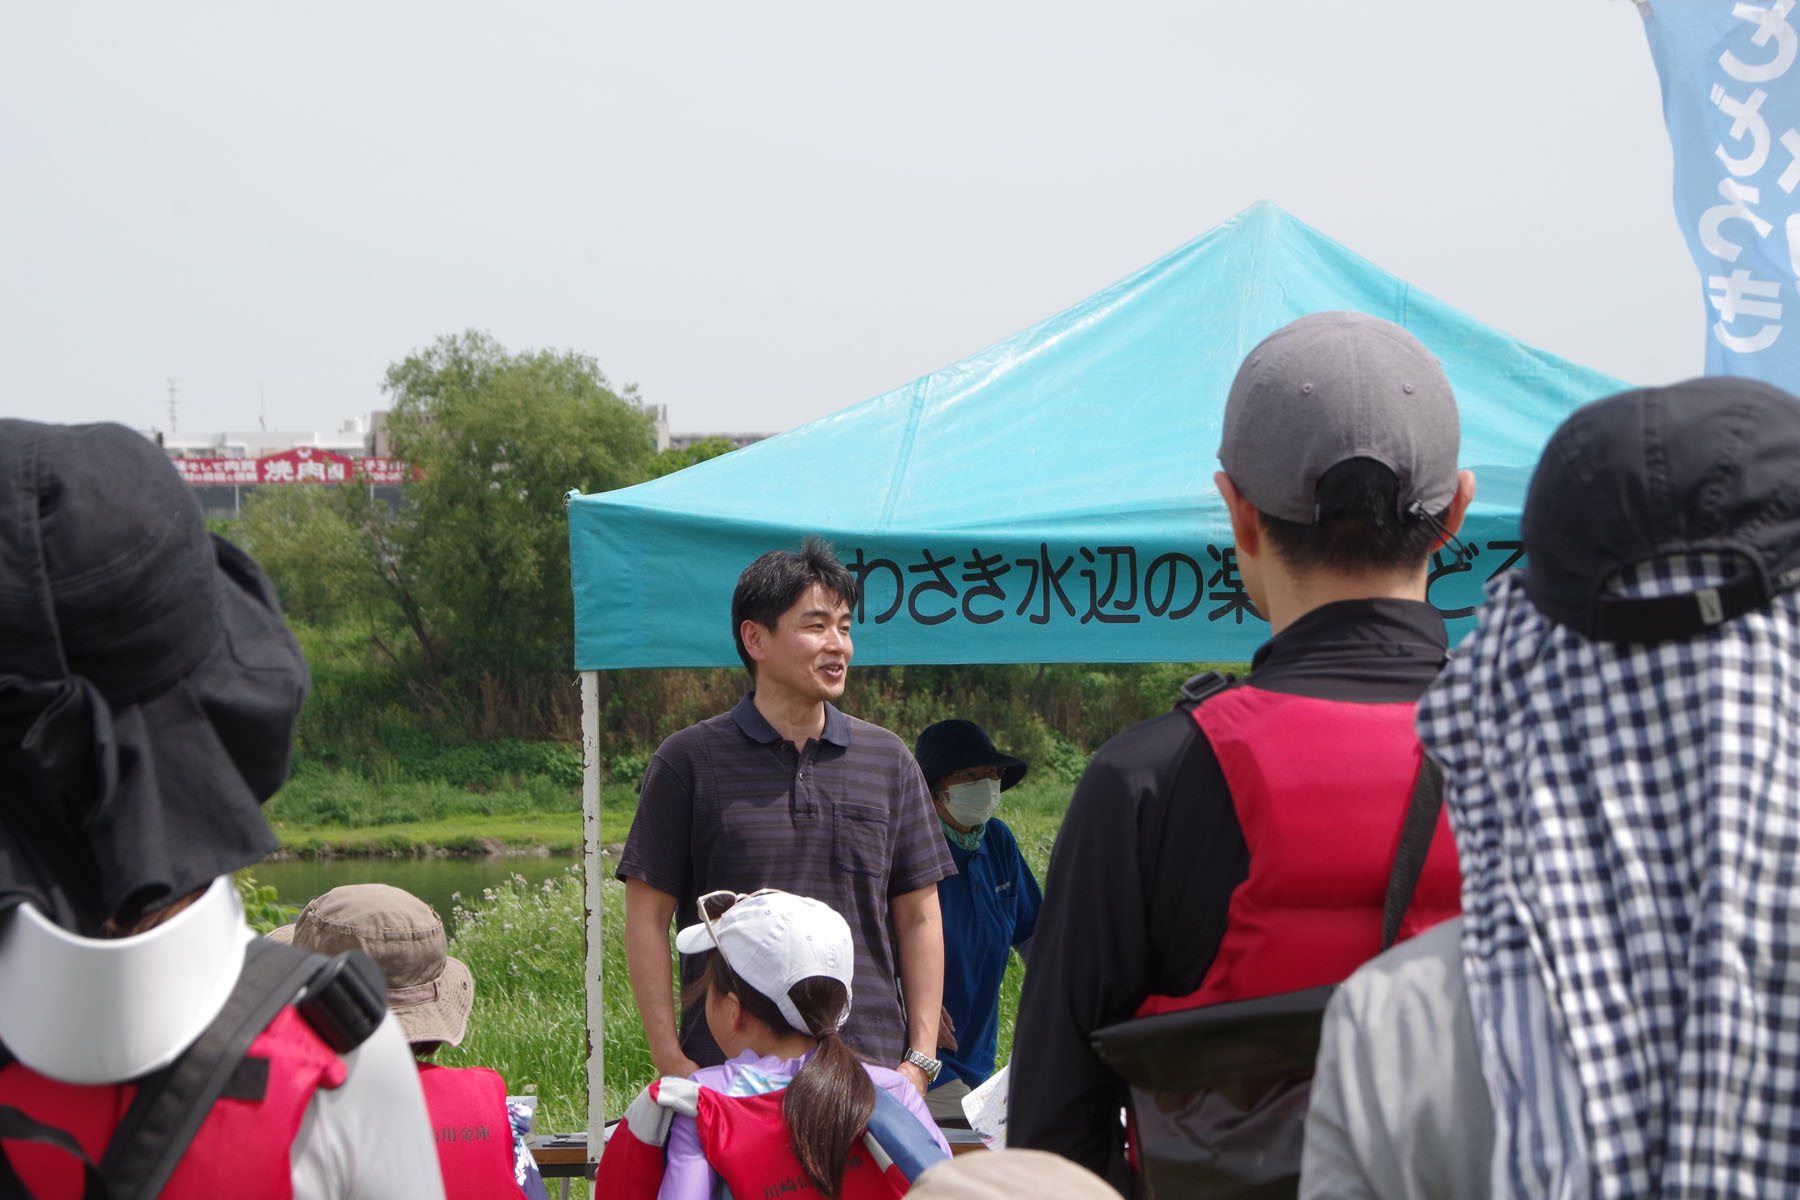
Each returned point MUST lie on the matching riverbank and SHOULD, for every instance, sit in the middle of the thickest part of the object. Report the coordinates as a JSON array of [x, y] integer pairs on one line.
[[526, 836], [336, 814]]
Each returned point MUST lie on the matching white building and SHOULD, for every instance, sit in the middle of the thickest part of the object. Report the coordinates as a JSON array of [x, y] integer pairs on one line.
[[355, 439]]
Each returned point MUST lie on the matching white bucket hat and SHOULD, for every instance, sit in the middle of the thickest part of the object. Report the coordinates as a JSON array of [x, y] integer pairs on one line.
[[773, 940]]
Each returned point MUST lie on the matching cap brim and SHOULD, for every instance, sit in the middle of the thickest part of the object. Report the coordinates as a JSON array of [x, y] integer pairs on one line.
[[695, 939], [445, 1019], [284, 935]]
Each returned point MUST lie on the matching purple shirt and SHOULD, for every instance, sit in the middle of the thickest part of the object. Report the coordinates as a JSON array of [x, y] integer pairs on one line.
[[729, 803], [686, 1173]]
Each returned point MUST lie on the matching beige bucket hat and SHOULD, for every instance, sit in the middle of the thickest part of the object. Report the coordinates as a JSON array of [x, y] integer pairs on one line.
[[1003, 1174], [429, 992]]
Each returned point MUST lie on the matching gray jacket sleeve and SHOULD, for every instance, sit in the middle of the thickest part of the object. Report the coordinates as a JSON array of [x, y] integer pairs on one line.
[[1332, 1162], [1399, 1105], [369, 1139]]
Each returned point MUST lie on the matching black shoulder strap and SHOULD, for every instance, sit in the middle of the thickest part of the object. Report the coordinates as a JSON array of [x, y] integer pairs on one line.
[[1415, 843], [172, 1104], [1199, 688], [15, 1126], [342, 998]]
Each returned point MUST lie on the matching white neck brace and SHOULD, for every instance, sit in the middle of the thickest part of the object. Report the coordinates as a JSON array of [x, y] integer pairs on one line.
[[103, 1010]]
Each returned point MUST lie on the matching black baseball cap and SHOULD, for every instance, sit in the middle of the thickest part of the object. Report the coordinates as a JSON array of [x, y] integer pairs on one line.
[[1708, 465]]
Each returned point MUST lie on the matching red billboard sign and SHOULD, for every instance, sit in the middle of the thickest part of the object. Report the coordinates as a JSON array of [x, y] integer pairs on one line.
[[305, 464]]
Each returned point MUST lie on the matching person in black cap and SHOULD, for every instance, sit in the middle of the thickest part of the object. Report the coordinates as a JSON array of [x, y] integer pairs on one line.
[[148, 690], [1617, 1013], [1241, 845], [989, 906]]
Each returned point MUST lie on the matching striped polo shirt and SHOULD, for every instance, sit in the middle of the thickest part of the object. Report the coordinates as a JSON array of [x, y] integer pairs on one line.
[[730, 803]]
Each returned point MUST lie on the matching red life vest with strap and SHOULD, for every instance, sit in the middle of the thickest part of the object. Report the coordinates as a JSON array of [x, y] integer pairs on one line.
[[1321, 789], [745, 1141], [242, 1148], [473, 1132]]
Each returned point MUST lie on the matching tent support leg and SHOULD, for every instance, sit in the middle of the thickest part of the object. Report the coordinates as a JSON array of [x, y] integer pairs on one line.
[[592, 876]]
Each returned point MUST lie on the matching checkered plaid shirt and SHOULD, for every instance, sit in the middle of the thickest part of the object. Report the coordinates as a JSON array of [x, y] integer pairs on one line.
[[1628, 822]]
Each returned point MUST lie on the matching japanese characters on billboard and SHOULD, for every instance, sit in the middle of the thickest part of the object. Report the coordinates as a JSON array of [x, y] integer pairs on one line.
[[304, 464]]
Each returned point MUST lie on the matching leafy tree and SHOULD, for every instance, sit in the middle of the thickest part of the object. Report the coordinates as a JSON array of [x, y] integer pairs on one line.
[[499, 438], [471, 573], [679, 459], [316, 558]]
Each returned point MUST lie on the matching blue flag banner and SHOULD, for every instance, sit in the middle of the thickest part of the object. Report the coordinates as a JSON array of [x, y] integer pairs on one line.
[[1051, 498], [1731, 98]]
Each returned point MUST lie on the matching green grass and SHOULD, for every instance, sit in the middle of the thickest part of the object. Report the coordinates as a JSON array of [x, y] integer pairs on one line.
[[326, 796], [525, 945], [408, 818]]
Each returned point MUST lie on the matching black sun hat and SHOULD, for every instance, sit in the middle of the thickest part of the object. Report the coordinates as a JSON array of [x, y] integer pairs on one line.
[[956, 744], [1710, 465], [148, 685]]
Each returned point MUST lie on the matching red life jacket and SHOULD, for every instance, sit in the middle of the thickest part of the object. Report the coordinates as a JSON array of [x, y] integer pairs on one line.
[[745, 1141], [241, 1149], [473, 1132], [1321, 789]]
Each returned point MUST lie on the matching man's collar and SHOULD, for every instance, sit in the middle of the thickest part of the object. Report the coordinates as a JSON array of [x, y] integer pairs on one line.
[[756, 727], [1413, 625]]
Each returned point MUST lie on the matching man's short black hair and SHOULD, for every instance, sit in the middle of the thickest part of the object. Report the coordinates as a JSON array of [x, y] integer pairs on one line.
[[1360, 528], [770, 586]]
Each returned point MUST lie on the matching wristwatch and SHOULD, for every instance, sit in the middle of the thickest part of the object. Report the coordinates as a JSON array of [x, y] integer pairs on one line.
[[925, 1063]]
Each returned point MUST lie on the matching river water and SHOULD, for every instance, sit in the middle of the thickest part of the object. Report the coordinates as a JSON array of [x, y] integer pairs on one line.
[[437, 881]]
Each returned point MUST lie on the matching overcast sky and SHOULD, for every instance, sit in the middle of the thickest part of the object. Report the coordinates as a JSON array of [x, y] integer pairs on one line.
[[763, 213]]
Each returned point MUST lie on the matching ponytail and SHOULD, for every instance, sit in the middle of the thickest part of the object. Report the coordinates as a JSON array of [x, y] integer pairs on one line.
[[828, 1104]]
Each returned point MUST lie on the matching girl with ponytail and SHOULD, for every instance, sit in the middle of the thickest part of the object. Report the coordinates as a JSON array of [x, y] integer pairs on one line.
[[776, 989]]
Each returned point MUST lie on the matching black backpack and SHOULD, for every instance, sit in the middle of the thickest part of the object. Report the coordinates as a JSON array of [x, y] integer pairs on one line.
[[342, 998]]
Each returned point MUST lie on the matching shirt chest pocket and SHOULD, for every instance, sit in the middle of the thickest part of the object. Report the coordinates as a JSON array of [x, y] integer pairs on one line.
[[862, 838]]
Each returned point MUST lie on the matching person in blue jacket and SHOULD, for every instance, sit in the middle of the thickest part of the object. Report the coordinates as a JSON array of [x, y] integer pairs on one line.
[[990, 905]]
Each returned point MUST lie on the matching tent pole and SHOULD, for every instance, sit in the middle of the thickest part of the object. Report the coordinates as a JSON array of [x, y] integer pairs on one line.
[[592, 875]]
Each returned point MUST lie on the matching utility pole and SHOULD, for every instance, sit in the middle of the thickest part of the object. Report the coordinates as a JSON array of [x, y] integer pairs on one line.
[[174, 403]]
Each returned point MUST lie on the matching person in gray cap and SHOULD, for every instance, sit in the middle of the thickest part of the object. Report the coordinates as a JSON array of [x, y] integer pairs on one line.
[[481, 1148], [1617, 1013], [1240, 845], [150, 1043]]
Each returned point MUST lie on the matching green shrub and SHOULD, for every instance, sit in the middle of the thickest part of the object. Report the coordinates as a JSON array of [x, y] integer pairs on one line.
[[627, 768], [1063, 761], [525, 946], [263, 909]]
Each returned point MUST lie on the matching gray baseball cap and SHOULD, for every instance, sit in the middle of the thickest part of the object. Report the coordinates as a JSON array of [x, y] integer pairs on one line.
[[1331, 387]]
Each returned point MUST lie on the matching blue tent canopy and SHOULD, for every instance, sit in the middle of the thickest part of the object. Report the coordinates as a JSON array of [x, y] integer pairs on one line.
[[1050, 498]]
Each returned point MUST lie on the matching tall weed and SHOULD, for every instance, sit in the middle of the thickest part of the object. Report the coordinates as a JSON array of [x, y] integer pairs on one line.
[[525, 946]]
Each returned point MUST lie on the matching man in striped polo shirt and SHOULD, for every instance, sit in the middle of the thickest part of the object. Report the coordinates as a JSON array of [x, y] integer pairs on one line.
[[786, 791]]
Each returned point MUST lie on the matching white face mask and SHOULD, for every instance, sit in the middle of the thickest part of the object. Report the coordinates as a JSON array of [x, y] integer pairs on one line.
[[969, 804]]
